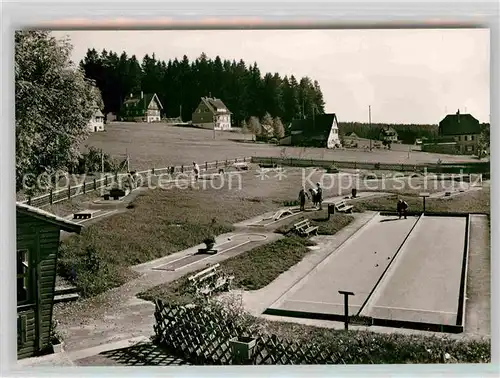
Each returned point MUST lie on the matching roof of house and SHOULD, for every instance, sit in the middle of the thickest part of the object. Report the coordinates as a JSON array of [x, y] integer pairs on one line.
[[214, 103], [64, 224], [98, 113], [268, 128], [142, 103], [459, 124], [388, 131], [351, 134], [319, 127]]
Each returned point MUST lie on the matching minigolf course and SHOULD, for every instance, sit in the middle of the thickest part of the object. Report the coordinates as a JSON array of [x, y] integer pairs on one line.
[[407, 273]]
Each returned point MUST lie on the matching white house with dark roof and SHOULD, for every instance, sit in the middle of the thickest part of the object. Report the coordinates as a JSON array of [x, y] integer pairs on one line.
[[96, 122], [211, 113]]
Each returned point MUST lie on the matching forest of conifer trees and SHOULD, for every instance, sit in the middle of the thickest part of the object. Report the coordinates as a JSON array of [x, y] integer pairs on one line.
[[181, 83]]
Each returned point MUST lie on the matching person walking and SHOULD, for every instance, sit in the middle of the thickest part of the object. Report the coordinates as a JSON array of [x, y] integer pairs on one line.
[[319, 195], [196, 170]]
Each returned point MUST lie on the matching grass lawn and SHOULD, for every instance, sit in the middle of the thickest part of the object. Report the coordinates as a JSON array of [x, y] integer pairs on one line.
[[160, 223], [159, 145], [252, 270]]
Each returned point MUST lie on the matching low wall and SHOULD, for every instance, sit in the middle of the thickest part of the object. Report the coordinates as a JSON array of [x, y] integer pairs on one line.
[[441, 148]]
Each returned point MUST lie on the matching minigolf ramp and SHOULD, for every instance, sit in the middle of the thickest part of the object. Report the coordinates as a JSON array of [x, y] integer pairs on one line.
[[403, 273]]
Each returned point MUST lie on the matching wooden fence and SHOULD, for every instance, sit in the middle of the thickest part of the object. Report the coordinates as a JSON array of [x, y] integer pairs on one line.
[[465, 167], [203, 337], [55, 196]]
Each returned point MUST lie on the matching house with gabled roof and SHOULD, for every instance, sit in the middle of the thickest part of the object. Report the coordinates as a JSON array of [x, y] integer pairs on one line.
[[212, 113], [96, 122], [464, 129], [322, 130], [37, 247], [388, 134], [145, 107]]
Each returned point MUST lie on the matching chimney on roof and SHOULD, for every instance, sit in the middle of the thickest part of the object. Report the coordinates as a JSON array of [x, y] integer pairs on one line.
[[458, 111]]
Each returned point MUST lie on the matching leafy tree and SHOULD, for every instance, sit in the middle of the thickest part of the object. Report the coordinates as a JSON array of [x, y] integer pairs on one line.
[[278, 128], [484, 140], [254, 126], [54, 103], [245, 128]]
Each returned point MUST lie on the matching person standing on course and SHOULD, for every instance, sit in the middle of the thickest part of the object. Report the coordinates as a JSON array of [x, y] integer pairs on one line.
[[319, 195], [302, 199], [402, 208], [196, 170]]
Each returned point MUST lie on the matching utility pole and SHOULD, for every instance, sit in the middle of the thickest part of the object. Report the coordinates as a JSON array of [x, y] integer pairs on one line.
[[213, 122], [180, 112], [370, 123], [128, 161], [102, 162]]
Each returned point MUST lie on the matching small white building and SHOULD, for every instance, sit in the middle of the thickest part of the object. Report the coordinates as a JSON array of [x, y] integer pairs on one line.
[[96, 123], [321, 131]]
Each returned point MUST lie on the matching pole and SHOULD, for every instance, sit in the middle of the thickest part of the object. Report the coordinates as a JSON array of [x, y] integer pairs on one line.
[[346, 307], [102, 162], [370, 123], [213, 122]]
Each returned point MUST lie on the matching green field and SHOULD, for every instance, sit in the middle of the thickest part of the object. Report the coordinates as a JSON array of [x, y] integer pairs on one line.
[[160, 145]]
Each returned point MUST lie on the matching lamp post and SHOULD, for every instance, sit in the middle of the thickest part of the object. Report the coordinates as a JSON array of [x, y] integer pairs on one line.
[[424, 196]]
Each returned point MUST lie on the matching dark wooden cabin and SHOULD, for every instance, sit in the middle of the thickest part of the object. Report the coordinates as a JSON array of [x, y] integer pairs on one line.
[[38, 235]]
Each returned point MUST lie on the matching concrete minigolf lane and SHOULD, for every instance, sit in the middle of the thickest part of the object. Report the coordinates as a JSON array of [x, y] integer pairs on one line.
[[232, 243], [423, 283], [355, 266]]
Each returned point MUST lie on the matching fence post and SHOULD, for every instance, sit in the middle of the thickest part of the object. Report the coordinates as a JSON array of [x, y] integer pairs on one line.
[[244, 159], [95, 184], [216, 164], [84, 185], [29, 200], [226, 163], [50, 196], [206, 166], [153, 171], [354, 165], [235, 160], [69, 190], [182, 168]]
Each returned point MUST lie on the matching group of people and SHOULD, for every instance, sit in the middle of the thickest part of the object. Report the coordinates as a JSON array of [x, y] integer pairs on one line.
[[315, 194]]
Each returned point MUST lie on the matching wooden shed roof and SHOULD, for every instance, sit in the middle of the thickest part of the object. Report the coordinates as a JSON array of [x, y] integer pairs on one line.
[[63, 223]]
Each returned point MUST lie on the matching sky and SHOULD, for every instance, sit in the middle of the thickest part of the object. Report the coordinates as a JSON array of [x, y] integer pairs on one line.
[[405, 76]]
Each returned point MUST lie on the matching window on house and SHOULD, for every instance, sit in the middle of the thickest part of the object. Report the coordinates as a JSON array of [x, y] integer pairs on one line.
[[472, 137], [469, 148], [23, 276]]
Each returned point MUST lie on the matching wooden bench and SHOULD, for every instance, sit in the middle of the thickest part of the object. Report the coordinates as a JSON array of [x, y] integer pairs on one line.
[[304, 228], [210, 280], [343, 207]]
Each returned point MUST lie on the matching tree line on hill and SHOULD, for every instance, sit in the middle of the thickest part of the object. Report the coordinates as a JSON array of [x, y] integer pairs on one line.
[[180, 84]]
